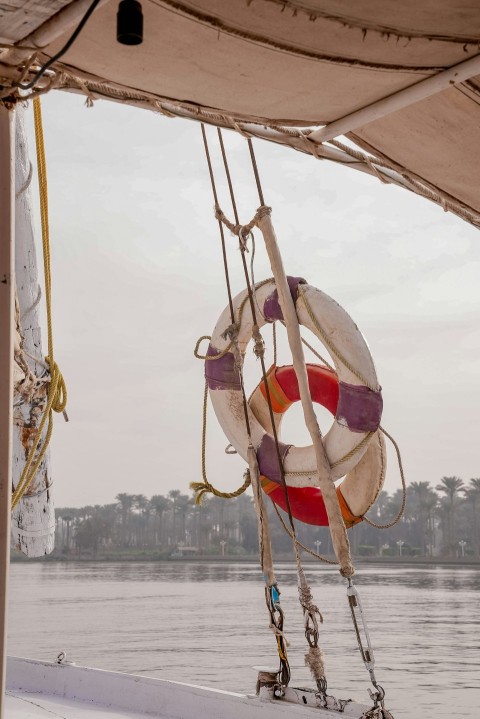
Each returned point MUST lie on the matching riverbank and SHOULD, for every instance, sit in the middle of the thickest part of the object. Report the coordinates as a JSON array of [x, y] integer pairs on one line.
[[152, 556]]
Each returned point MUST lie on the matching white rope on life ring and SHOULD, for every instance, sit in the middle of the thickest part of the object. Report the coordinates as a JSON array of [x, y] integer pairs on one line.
[[359, 407]]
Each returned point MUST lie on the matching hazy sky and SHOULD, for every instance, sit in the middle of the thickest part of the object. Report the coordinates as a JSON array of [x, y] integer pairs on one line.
[[138, 277]]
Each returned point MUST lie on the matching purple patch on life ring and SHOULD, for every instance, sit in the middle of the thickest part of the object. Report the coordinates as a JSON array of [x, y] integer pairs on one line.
[[271, 309], [268, 459], [221, 373], [359, 408]]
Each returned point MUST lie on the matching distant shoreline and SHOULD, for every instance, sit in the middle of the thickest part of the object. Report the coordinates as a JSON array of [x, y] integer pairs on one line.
[[17, 557]]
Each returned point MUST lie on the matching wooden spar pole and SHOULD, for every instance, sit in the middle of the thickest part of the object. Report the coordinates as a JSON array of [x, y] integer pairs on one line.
[[399, 100], [337, 525], [7, 233]]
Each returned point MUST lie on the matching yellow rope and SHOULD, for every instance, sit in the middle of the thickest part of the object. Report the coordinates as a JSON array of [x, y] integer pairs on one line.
[[202, 488], [57, 392]]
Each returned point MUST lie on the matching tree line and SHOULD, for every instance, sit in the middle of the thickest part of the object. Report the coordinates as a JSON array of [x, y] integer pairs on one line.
[[439, 521]]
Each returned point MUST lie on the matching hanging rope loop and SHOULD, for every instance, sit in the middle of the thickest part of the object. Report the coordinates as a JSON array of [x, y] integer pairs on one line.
[[203, 488]]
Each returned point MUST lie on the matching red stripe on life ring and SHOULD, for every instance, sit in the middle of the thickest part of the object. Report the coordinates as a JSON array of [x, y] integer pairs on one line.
[[307, 503], [323, 383]]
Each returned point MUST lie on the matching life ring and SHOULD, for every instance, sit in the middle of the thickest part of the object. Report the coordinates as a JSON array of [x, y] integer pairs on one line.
[[359, 489], [359, 406]]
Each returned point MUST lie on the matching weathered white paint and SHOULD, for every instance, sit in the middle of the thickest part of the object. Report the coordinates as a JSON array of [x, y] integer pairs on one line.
[[95, 694], [7, 253], [33, 519], [344, 333], [363, 483]]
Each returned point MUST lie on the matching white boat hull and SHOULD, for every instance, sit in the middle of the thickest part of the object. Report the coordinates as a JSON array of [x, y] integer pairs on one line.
[[37, 690]]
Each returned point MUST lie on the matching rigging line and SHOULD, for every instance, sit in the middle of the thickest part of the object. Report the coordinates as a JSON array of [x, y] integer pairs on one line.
[[229, 179], [252, 276], [303, 546], [255, 325], [265, 381], [232, 313], [255, 171], [222, 235], [235, 211]]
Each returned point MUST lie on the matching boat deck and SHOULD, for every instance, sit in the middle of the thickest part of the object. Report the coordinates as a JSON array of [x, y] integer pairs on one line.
[[42, 690], [20, 705]]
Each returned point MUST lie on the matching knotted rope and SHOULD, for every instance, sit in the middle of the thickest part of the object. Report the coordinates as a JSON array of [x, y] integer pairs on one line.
[[242, 231]]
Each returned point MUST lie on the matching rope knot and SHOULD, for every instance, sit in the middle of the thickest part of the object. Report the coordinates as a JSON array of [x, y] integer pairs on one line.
[[259, 346], [263, 211], [242, 231], [231, 333], [58, 389]]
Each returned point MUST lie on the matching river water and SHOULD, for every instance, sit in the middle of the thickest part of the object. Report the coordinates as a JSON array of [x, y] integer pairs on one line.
[[206, 623]]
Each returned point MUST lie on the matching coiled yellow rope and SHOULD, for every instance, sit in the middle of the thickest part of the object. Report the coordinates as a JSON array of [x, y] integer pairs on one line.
[[57, 392]]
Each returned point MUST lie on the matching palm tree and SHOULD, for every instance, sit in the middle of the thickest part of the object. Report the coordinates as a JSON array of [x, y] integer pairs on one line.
[[174, 494], [183, 502], [126, 502], [431, 505], [160, 505], [141, 504], [67, 518], [450, 486], [426, 499], [472, 495]]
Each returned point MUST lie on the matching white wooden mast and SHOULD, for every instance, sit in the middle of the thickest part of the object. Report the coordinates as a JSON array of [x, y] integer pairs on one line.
[[7, 234], [33, 520]]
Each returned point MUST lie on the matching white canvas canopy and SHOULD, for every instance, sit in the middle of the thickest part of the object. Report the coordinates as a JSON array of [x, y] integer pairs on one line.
[[400, 79], [272, 67]]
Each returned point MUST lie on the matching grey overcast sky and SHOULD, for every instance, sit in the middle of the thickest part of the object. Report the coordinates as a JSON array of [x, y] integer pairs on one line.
[[138, 277]]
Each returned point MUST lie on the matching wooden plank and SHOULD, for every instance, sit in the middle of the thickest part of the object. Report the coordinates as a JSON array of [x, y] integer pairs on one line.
[[19, 18]]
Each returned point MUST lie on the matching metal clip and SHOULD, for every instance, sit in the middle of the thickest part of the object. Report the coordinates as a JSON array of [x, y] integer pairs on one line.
[[378, 696], [322, 687], [356, 610], [367, 652]]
